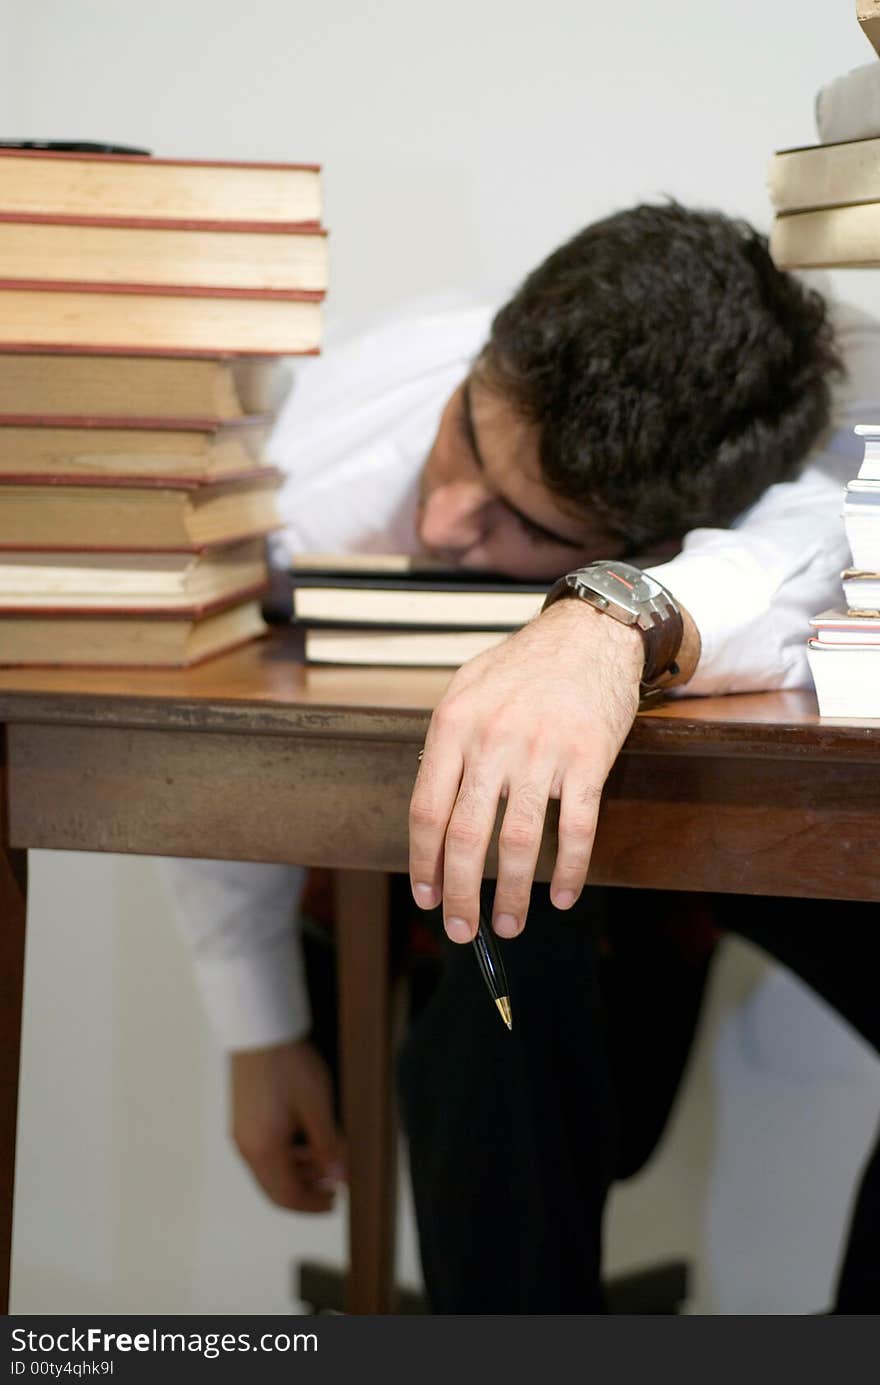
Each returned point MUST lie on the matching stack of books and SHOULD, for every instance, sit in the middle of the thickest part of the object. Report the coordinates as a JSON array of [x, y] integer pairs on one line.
[[826, 199], [394, 610], [844, 651], [144, 304]]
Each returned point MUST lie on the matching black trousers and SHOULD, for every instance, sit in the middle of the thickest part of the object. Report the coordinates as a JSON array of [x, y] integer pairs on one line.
[[515, 1138]]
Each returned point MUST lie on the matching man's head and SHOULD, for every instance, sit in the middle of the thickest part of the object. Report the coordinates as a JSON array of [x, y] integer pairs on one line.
[[656, 373]]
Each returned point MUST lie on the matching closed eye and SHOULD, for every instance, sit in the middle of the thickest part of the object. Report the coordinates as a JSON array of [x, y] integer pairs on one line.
[[465, 428], [533, 532]]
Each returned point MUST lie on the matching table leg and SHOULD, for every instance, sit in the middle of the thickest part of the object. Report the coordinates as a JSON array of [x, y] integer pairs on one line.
[[362, 924], [13, 901]]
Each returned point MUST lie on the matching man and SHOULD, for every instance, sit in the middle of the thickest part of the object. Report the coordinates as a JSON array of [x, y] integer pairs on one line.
[[625, 431], [655, 377]]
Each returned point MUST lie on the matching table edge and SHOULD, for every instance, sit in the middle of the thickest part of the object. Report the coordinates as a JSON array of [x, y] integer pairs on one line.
[[652, 733]]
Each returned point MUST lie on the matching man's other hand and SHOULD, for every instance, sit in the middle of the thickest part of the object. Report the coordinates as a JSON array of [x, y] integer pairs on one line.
[[541, 716], [281, 1101]]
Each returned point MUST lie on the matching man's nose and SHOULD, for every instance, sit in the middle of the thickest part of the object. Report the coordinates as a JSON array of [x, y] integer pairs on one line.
[[453, 516]]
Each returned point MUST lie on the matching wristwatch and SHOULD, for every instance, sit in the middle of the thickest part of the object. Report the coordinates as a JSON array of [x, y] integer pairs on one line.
[[631, 596]]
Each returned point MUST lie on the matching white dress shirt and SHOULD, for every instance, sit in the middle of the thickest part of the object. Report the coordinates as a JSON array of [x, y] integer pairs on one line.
[[352, 439]]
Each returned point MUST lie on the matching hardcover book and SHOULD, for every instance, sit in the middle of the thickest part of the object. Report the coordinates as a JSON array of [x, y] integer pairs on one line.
[[834, 627], [834, 236], [118, 513], [132, 581], [861, 590], [193, 254], [861, 521], [130, 640], [69, 380], [846, 678], [868, 12], [402, 648], [450, 598], [825, 175], [35, 446], [98, 184], [869, 469], [141, 319]]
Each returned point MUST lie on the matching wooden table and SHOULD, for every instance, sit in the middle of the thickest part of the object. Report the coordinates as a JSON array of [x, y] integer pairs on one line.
[[253, 757]]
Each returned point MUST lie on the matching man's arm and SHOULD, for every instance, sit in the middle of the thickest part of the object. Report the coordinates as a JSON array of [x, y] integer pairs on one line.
[[239, 919], [282, 1123], [544, 715]]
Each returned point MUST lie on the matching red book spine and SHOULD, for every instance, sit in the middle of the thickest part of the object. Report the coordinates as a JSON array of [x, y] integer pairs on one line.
[[92, 157], [191, 612], [27, 348], [162, 483], [227, 542], [31, 348], [149, 223], [133, 421], [161, 290]]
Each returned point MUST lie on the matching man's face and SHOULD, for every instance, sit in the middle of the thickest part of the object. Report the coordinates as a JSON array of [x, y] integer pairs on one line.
[[483, 504]]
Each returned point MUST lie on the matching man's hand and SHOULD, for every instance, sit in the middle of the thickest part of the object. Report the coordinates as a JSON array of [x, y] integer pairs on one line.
[[541, 716], [280, 1095]]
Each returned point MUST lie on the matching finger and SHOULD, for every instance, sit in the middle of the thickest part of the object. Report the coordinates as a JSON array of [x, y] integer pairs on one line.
[[323, 1148], [290, 1185], [434, 795], [317, 1176], [467, 840], [519, 843], [578, 813]]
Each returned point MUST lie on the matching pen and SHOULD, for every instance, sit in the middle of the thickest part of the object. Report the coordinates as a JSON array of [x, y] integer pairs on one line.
[[492, 967], [489, 958]]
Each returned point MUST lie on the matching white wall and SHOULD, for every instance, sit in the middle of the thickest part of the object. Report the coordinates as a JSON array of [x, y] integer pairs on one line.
[[460, 143]]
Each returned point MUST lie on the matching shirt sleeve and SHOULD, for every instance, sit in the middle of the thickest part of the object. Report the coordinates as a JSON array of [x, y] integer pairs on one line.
[[240, 919], [751, 589]]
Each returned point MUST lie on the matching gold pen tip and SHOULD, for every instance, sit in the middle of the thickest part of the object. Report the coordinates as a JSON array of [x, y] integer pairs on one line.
[[503, 1004]]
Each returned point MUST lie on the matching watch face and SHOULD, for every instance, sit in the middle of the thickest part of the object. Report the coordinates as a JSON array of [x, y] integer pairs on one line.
[[620, 584]]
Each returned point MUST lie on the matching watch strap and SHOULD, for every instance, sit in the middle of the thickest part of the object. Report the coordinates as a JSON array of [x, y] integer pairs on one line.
[[662, 636]]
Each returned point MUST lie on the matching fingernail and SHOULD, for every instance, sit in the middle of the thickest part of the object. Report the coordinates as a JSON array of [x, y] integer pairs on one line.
[[506, 925], [424, 896], [564, 899], [459, 931], [325, 1185]]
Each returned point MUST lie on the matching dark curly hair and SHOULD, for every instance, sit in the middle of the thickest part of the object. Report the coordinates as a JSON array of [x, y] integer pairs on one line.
[[673, 372]]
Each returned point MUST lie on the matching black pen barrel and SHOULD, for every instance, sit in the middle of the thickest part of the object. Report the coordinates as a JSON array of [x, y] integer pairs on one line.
[[490, 961]]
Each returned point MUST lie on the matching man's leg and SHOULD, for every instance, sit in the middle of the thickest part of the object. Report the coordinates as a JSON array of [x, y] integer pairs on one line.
[[835, 948], [512, 1133], [656, 952], [514, 1137]]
